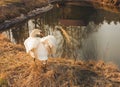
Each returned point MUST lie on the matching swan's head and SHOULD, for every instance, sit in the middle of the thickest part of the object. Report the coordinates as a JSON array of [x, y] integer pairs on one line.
[[36, 33]]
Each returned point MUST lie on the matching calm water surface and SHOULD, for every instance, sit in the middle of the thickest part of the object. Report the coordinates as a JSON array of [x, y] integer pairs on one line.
[[88, 33]]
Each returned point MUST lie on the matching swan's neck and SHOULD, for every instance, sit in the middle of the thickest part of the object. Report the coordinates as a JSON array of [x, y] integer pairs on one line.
[[34, 35]]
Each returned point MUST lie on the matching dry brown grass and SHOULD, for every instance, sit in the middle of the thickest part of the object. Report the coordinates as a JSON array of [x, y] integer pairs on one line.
[[5, 2], [17, 69]]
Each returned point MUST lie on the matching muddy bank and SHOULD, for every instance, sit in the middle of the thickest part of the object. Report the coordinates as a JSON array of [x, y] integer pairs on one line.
[[11, 9], [17, 69], [109, 2]]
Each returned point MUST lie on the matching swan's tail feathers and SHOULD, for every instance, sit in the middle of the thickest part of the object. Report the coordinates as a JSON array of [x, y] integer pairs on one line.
[[50, 43]]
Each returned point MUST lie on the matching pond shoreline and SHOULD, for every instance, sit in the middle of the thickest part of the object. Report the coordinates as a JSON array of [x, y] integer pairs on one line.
[[21, 13], [23, 7]]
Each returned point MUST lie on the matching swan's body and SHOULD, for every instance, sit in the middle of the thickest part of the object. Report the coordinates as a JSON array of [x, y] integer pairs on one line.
[[50, 44], [38, 47]]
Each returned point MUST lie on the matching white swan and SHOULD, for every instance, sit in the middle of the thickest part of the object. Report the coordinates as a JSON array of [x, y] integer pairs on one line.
[[40, 47]]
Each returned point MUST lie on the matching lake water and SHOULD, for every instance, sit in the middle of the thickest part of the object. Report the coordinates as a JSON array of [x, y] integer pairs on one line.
[[87, 33]]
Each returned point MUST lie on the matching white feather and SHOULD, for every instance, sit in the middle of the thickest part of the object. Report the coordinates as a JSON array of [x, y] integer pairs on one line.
[[40, 48], [50, 44]]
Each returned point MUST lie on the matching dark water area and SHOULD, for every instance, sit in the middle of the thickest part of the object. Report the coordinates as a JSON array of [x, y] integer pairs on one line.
[[88, 33]]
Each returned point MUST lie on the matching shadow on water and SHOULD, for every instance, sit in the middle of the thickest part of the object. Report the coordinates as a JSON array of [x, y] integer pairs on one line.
[[93, 33]]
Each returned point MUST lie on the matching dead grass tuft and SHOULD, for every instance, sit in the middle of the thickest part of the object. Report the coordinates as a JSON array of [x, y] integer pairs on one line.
[[17, 69]]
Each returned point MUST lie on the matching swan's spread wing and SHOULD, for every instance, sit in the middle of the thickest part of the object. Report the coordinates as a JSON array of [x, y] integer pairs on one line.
[[36, 48], [31, 43], [50, 43]]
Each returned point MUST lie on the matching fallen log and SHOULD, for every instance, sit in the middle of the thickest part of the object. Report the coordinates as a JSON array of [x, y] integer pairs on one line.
[[10, 23]]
